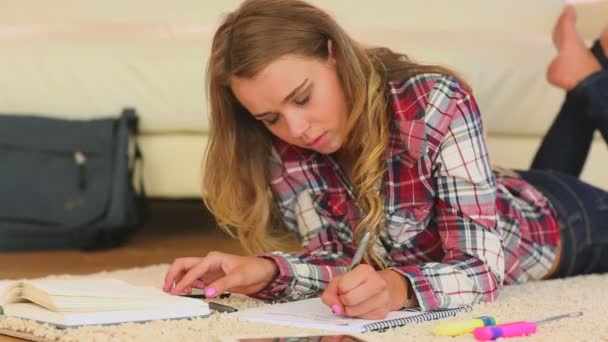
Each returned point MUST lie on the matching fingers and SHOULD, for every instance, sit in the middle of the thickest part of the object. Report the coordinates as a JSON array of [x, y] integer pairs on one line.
[[360, 293], [355, 278], [219, 272], [374, 306], [367, 297], [371, 287], [331, 297], [193, 274], [177, 269], [224, 284], [249, 275], [344, 284], [199, 284]]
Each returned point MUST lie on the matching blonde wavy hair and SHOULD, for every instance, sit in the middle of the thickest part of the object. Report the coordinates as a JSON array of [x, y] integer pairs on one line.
[[236, 177]]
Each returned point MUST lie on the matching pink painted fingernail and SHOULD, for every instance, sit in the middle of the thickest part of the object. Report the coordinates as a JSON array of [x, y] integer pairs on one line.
[[336, 309], [188, 291], [210, 292]]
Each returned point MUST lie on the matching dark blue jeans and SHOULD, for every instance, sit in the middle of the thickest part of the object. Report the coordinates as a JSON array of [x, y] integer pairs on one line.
[[582, 208]]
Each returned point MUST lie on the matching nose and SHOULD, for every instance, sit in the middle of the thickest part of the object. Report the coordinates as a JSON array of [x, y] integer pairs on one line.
[[297, 124]]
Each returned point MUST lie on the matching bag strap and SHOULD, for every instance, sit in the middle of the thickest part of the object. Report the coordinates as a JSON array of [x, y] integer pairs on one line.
[[113, 238], [130, 115]]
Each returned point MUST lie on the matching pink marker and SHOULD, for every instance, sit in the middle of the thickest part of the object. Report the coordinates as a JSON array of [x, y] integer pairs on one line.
[[521, 328]]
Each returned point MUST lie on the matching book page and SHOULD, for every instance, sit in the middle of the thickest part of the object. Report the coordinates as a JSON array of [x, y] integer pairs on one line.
[[4, 285], [100, 301], [37, 313], [77, 295], [96, 287]]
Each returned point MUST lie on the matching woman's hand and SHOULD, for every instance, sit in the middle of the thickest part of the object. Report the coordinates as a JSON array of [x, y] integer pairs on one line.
[[220, 272], [366, 293]]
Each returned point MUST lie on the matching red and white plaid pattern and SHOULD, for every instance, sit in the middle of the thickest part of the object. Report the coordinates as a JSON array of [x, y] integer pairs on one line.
[[454, 228]]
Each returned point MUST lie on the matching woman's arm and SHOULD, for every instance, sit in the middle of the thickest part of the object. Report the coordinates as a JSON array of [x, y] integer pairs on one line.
[[472, 269], [325, 255]]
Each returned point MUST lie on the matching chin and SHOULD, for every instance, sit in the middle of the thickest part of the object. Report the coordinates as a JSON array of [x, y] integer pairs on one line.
[[332, 147]]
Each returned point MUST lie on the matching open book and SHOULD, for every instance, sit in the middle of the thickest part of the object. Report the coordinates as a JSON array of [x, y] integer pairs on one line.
[[312, 313], [74, 302]]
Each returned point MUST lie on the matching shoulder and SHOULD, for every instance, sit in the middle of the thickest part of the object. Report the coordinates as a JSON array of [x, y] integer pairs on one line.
[[424, 106], [418, 96]]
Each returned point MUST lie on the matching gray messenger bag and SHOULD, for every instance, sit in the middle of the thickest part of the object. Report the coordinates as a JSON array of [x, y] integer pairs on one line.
[[68, 183]]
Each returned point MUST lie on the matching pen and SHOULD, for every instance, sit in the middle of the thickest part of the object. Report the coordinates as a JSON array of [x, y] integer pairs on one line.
[[464, 327], [356, 260], [202, 296], [213, 305], [360, 251], [221, 307], [520, 328]]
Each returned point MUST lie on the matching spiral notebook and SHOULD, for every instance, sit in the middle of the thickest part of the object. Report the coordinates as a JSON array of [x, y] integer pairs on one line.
[[312, 313]]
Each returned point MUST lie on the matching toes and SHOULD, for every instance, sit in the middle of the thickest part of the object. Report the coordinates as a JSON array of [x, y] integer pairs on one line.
[[565, 28], [604, 40]]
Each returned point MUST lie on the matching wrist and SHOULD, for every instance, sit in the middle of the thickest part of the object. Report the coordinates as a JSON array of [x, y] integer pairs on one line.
[[271, 271], [397, 287]]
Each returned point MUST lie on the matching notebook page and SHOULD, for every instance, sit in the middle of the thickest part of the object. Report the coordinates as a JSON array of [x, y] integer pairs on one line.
[[312, 313]]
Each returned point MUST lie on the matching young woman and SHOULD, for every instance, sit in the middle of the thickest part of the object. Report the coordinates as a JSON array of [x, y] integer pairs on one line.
[[315, 135]]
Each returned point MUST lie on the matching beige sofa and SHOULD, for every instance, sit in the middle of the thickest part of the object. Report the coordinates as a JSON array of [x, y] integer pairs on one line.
[[88, 59]]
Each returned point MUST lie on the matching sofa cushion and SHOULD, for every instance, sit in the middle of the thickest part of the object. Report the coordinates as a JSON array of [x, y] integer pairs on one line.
[[80, 75], [87, 60]]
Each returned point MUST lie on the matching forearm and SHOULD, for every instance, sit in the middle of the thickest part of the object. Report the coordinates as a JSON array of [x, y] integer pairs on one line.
[[300, 276], [442, 285]]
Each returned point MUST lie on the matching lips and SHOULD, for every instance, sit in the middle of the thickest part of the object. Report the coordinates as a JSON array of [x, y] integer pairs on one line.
[[316, 141]]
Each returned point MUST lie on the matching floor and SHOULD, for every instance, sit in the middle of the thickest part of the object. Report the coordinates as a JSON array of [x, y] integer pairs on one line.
[[173, 229]]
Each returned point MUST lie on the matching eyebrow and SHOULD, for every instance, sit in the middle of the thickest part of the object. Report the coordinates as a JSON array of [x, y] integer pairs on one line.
[[287, 98]]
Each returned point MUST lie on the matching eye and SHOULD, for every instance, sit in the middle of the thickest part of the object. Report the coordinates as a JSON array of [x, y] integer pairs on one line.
[[271, 119], [302, 101]]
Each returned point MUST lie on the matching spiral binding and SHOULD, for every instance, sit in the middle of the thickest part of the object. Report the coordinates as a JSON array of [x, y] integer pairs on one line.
[[427, 316]]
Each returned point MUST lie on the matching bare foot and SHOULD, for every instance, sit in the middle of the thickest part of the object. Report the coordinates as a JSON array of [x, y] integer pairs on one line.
[[574, 62], [604, 40]]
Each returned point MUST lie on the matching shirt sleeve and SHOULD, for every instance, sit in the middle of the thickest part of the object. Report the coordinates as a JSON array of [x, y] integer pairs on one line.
[[324, 254], [472, 269]]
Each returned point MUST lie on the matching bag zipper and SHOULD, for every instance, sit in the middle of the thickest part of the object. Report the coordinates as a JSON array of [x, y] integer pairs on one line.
[[81, 159]]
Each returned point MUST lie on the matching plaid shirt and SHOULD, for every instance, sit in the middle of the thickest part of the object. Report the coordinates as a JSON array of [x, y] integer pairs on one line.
[[457, 230]]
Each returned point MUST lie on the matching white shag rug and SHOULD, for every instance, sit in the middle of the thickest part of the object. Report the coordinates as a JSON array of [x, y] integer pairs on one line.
[[532, 301]]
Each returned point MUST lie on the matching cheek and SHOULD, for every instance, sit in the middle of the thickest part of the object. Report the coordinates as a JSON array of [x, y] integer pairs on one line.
[[281, 131], [276, 131], [338, 113], [338, 104], [329, 110]]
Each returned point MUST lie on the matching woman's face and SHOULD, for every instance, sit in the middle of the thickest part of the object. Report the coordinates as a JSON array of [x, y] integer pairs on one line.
[[299, 99]]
